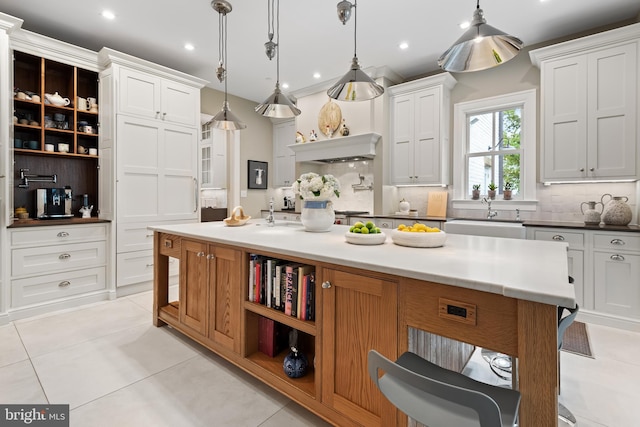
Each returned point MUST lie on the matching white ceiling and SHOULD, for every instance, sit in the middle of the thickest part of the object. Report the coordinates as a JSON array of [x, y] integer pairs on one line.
[[311, 37]]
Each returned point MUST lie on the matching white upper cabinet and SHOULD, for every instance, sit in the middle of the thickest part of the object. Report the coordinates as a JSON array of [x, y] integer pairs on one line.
[[146, 95], [420, 131], [284, 159], [590, 107]]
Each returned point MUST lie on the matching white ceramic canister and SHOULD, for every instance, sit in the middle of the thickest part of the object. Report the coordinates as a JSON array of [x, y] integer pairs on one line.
[[616, 211], [591, 214]]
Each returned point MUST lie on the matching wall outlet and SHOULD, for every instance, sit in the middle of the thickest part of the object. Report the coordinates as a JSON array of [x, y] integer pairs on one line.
[[243, 193]]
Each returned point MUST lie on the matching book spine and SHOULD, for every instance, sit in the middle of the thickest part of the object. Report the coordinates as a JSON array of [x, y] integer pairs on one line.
[[256, 285], [311, 290], [252, 276], [288, 291], [276, 287], [269, 272], [283, 288], [294, 294], [303, 300]]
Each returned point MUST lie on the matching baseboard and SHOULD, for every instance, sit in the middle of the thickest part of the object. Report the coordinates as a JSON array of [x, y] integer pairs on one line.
[[70, 302], [610, 320]]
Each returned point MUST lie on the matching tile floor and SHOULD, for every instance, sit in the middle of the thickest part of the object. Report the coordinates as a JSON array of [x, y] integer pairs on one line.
[[115, 368]]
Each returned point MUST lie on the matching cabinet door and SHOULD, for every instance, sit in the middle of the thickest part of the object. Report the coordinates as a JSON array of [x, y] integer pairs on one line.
[[219, 159], [224, 296], [139, 94], [611, 116], [178, 187], [576, 270], [180, 103], [616, 283], [284, 159], [194, 289], [359, 313], [402, 148], [426, 157], [206, 164], [565, 128]]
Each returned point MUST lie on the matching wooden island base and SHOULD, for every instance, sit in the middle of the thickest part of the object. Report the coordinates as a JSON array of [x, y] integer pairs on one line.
[[355, 310]]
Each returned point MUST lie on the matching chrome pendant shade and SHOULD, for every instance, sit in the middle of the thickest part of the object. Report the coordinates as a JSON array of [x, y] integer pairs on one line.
[[224, 119], [356, 85], [278, 104], [480, 47]]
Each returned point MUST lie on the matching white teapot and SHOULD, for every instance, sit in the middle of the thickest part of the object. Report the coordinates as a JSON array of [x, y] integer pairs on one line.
[[57, 100]]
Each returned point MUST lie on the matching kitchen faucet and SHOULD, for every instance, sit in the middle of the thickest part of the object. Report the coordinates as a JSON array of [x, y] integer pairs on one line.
[[270, 219], [490, 213]]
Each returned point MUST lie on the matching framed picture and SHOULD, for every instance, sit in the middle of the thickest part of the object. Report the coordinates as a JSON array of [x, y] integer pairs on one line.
[[257, 174]]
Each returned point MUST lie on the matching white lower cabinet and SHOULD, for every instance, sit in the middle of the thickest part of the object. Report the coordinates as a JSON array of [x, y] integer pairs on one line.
[[53, 263], [605, 266]]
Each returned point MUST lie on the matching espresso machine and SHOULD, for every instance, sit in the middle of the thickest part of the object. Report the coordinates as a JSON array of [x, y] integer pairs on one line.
[[53, 203]]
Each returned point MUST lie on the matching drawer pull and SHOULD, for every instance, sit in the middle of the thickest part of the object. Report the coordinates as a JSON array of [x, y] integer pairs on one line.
[[326, 285], [64, 284], [150, 265], [617, 242], [149, 235], [558, 238], [617, 257], [200, 254], [64, 256], [63, 234]]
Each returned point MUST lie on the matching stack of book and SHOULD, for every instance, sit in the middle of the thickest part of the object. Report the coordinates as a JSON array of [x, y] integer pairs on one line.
[[282, 285]]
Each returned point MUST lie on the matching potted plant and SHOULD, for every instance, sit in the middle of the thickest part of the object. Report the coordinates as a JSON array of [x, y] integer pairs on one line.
[[508, 187], [492, 191], [475, 193]]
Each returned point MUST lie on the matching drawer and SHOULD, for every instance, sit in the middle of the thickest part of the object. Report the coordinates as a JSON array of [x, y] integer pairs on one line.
[[575, 240], [135, 236], [619, 241], [38, 236], [170, 245], [39, 289], [137, 267], [50, 259]]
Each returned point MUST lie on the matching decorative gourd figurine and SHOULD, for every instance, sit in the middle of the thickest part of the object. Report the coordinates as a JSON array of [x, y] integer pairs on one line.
[[295, 364], [344, 130], [313, 135]]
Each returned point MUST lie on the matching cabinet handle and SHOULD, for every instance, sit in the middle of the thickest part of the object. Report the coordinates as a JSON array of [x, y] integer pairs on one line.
[[592, 169], [211, 256], [157, 114], [558, 238], [617, 242], [64, 284], [195, 195], [150, 265], [200, 254], [64, 256], [63, 234], [164, 115], [581, 169], [326, 285], [617, 257]]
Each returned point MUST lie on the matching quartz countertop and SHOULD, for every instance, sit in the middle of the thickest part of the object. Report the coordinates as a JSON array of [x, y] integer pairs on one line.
[[18, 223], [582, 226], [525, 269]]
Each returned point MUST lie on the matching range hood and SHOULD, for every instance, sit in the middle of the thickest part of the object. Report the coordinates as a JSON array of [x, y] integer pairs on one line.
[[346, 148]]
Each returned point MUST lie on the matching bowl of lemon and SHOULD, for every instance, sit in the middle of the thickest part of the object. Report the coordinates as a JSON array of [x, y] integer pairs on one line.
[[367, 233], [418, 236]]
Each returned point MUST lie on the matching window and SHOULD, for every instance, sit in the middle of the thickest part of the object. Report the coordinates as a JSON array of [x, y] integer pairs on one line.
[[495, 143]]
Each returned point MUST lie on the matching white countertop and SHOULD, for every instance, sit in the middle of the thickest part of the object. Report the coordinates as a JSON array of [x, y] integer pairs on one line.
[[525, 269]]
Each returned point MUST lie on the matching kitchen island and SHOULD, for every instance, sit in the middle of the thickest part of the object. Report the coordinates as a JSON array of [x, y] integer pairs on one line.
[[495, 293]]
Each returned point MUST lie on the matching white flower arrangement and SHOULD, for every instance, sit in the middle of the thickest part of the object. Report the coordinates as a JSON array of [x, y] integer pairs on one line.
[[312, 186]]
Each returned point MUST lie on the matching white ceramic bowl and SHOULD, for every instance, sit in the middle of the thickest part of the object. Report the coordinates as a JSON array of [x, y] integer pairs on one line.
[[418, 240], [365, 239]]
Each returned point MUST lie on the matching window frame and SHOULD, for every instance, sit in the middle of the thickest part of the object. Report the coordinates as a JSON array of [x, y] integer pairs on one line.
[[528, 147]]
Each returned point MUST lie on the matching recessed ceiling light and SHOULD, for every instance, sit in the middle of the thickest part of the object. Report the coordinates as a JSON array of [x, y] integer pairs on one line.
[[464, 24], [404, 45], [108, 14], [316, 75], [285, 85], [189, 46]]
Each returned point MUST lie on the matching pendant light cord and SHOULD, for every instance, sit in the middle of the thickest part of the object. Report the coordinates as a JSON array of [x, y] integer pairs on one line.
[[277, 42], [355, 29], [223, 49]]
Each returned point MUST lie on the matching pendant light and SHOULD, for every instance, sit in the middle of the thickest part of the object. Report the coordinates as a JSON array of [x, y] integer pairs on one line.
[[225, 119], [277, 105], [480, 47], [356, 85]]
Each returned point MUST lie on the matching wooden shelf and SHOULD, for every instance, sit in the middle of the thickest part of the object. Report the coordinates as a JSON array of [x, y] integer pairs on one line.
[[305, 326], [274, 365]]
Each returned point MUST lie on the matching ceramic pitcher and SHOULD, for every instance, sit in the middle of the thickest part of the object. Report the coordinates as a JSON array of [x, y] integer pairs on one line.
[[616, 211], [591, 214]]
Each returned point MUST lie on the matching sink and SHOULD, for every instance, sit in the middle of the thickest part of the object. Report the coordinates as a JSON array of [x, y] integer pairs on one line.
[[491, 228]]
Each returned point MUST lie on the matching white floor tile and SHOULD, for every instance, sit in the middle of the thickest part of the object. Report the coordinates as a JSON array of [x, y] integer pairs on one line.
[[145, 299], [199, 392], [614, 344], [89, 370], [294, 415], [44, 335], [12, 349], [19, 384]]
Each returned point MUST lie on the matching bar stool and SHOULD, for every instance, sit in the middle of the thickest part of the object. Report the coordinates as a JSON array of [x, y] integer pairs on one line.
[[438, 397]]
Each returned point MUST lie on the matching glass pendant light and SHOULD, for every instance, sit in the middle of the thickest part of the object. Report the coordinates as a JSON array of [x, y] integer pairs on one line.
[[225, 119], [277, 105], [356, 85], [480, 47]]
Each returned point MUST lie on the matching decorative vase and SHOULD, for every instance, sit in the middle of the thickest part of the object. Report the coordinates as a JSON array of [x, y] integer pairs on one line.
[[317, 215], [295, 364], [591, 214], [616, 211]]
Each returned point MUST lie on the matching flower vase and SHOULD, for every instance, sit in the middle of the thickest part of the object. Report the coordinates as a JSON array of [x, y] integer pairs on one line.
[[317, 215]]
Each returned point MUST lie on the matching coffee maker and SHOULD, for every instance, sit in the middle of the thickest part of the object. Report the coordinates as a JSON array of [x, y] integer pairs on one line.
[[53, 203]]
